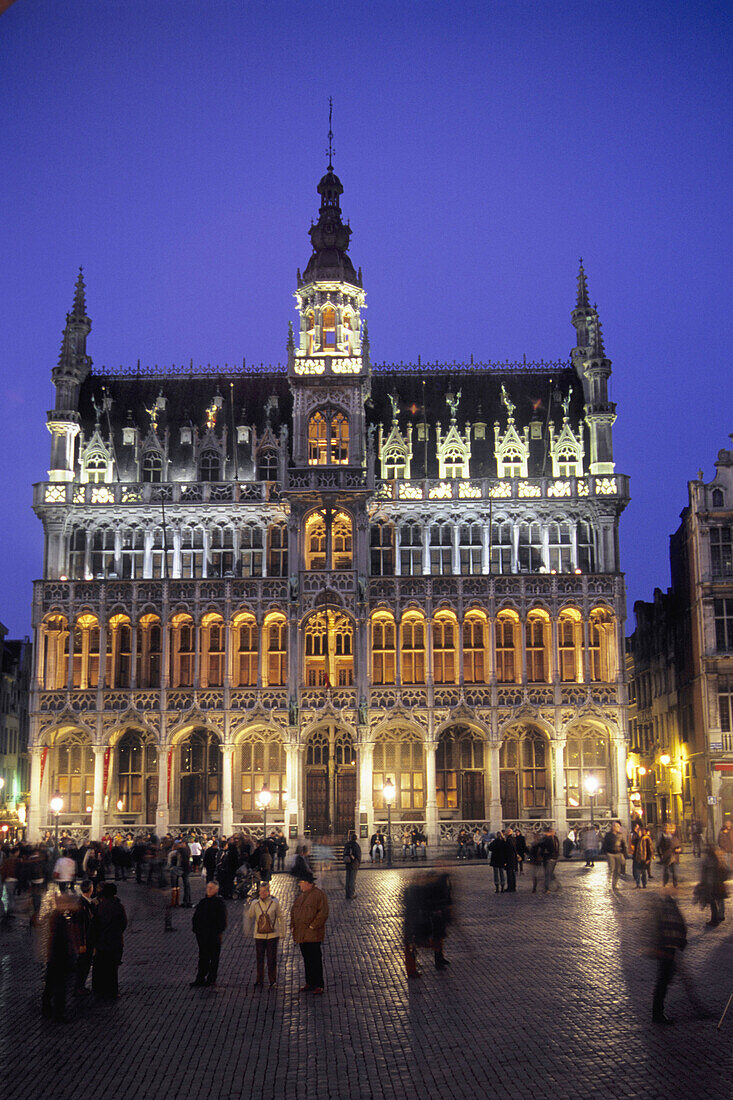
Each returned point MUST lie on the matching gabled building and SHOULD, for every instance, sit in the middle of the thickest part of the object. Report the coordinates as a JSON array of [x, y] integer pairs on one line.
[[320, 577]]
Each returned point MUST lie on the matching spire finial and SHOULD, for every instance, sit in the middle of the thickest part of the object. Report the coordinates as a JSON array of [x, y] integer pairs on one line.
[[80, 305], [582, 301], [330, 134]]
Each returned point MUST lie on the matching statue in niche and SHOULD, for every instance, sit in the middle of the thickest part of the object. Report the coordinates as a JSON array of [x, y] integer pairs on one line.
[[566, 402], [293, 584], [507, 402], [362, 584], [97, 412], [153, 414], [363, 715], [453, 403], [293, 710]]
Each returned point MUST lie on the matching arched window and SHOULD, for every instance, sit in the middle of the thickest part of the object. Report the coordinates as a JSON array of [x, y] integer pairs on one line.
[[569, 639], [411, 550], [381, 538], [501, 548], [148, 652], [536, 636], [718, 498], [315, 541], [73, 774], [277, 550], [137, 775], [441, 549], [586, 756], [394, 464], [340, 440], [453, 463], [161, 553], [341, 540], [523, 775], [250, 550], [246, 643], [399, 755], [77, 554], [601, 637], [55, 637], [262, 762], [267, 466], [569, 462], [508, 667], [459, 765], [328, 320], [511, 463], [383, 649], [317, 440], [328, 540], [275, 639], [152, 466], [183, 650], [474, 649], [200, 777], [412, 649], [444, 649], [328, 439], [210, 466], [213, 645], [310, 328], [86, 653], [329, 649], [119, 652], [96, 465]]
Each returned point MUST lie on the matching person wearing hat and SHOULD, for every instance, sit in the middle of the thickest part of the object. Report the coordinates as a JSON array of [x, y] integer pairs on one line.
[[308, 918]]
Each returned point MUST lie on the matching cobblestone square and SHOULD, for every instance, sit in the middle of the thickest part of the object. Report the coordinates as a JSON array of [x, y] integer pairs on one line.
[[546, 996]]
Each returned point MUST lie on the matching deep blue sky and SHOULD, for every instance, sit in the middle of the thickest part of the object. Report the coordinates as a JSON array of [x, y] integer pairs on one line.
[[173, 149]]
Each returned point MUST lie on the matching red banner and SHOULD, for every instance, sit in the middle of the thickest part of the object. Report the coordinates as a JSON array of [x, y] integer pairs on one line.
[[170, 765], [44, 756], [105, 779]]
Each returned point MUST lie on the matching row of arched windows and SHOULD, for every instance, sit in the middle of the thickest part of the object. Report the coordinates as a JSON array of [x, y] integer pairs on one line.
[[472, 651]]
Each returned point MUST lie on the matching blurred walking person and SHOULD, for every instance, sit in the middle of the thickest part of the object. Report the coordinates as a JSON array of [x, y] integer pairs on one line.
[[427, 914], [209, 922], [61, 948], [352, 862], [668, 850], [308, 918], [264, 916], [711, 889], [641, 855], [669, 937], [108, 926], [614, 847]]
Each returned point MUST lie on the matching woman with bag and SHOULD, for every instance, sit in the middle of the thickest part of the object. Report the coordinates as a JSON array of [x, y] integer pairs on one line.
[[265, 916]]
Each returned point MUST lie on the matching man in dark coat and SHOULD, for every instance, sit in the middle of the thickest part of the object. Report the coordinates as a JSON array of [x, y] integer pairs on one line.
[[497, 860], [511, 861], [211, 856], [108, 926], [209, 922], [427, 914], [352, 862], [84, 919], [61, 947]]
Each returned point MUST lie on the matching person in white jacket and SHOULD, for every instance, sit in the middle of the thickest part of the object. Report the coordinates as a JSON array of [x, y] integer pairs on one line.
[[263, 918]]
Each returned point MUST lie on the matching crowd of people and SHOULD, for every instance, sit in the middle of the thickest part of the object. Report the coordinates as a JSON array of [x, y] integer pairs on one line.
[[83, 933]]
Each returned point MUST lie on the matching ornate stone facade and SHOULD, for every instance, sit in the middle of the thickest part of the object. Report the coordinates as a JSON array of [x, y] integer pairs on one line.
[[298, 579]]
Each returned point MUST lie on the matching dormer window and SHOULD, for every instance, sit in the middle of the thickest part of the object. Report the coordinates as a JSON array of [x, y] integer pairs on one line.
[[210, 466], [267, 466], [718, 498], [152, 466], [512, 464], [328, 319], [96, 468]]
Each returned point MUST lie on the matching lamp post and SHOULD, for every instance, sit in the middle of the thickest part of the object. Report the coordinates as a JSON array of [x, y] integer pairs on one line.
[[265, 796], [389, 792], [57, 805], [591, 786]]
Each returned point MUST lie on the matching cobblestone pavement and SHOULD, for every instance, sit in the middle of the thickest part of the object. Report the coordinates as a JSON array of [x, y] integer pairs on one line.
[[546, 996]]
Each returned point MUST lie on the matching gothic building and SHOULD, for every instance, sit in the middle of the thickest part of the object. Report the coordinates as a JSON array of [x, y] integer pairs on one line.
[[319, 578]]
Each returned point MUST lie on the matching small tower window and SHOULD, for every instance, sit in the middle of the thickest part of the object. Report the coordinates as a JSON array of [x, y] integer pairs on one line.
[[328, 440], [267, 466], [152, 466], [210, 466], [329, 327], [718, 498]]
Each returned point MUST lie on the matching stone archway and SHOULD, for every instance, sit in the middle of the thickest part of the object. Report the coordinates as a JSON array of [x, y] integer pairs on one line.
[[330, 781]]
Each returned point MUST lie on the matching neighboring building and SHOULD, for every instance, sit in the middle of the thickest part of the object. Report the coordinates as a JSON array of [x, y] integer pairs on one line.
[[15, 673], [322, 577]]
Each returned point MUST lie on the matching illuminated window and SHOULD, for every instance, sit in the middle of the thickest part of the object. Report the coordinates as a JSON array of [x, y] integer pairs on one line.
[[523, 778], [394, 465], [340, 439], [444, 649], [275, 637], [459, 764], [85, 672], [96, 468], [441, 549], [55, 633], [328, 645], [328, 321], [315, 541], [474, 649], [381, 538], [403, 761], [183, 651], [246, 651], [263, 765], [317, 440], [507, 665], [453, 463], [74, 775], [470, 546], [411, 550], [212, 659], [328, 439], [383, 649], [328, 540], [412, 650], [569, 636], [148, 652], [602, 642], [511, 464], [200, 776], [310, 322], [137, 775], [536, 636], [119, 652], [586, 755]]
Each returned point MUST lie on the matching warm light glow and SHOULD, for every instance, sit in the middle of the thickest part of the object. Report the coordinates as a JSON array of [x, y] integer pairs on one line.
[[5, 828], [578, 570], [2, 782], [63, 577], [265, 796], [642, 771], [389, 792], [591, 785], [21, 813], [89, 809], [57, 804], [120, 803], [665, 759]]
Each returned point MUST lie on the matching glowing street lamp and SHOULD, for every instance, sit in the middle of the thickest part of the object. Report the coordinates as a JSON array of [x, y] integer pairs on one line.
[[265, 796], [57, 805], [591, 786], [665, 759], [389, 794]]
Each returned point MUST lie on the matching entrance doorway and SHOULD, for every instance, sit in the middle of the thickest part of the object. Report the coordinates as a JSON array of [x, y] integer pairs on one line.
[[330, 783]]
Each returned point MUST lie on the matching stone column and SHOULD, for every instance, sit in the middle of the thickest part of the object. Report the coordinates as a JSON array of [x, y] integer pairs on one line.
[[295, 811], [227, 804], [431, 804], [162, 812], [559, 811], [621, 795], [37, 807], [495, 815], [98, 803], [365, 757]]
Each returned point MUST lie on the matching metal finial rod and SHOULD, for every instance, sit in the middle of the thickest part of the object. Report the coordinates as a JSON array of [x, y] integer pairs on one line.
[[330, 134]]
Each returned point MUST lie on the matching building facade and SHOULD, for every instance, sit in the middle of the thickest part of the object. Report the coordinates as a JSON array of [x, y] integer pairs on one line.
[[321, 577], [15, 676]]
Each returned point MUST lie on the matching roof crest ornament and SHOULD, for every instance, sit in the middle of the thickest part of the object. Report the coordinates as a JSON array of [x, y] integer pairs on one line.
[[507, 402], [330, 134]]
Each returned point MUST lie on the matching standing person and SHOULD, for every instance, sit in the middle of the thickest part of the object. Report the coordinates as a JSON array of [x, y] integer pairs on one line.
[[265, 861], [497, 861], [64, 872], [85, 921], [194, 848], [308, 918], [301, 865], [696, 837], [281, 850], [535, 859], [725, 841], [641, 855], [60, 956], [711, 889], [108, 926], [521, 845], [550, 849], [184, 853], [352, 862], [589, 842], [616, 852], [669, 937], [265, 917], [427, 914], [512, 861], [209, 922], [668, 850], [211, 856]]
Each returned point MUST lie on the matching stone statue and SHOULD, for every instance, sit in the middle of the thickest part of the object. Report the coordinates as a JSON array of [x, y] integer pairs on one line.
[[453, 403], [507, 402], [293, 710], [394, 402], [293, 586], [363, 713], [566, 403]]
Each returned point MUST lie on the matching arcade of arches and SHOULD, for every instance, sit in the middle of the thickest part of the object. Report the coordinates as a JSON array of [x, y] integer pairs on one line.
[[329, 783]]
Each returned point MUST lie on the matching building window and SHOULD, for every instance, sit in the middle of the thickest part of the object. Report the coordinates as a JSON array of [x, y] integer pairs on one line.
[[250, 550], [85, 671], [130, 760], [328, 321], [536, 634], [340, 440], [183, 651], [328, 540], [530, 548], [474, 649], [394, 464], [569, 635], [329, 647], [263, 765], [96, 468], [210, 466], [221, 552], [381, 538], [725, 705], [721, 558], [507, 665], [586, 549], [267, 466], [341, 541], [383, 649], [152, 466], [246, 660], [470, 548], [200, 792], [402, 761], [560, 547], [192, 553], [411, 550], [454, 462], [77, 554], [723, 611], [444, 649], [119, 652], [523, 764], [412, 650], [277, 551], [602, 655], [510, 463], [718, 498], [586, 754], [74, 778], [501, 548], [103, 552], [148, 652], [213, 645], [275, 635], [133, 554], [459, 764], [441, 549], [328, 439]]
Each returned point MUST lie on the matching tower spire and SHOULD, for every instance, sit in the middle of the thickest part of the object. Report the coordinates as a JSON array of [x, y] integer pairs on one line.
[[80, 301], [330, 134], [582, 300]]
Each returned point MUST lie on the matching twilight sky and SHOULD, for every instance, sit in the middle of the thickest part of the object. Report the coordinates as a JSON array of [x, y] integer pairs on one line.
[[173, 148]]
